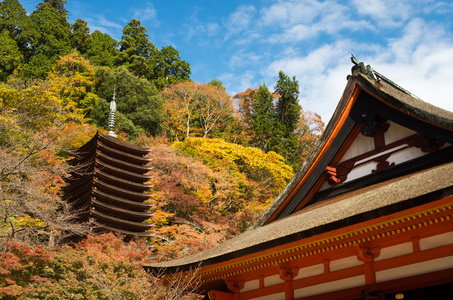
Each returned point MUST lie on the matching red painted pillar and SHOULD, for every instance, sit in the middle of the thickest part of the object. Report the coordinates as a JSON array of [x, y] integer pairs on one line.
[[367, 256], [288, 274], [235, 286]]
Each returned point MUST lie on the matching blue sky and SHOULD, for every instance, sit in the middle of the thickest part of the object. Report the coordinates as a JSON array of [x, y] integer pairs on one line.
[[246, 43]]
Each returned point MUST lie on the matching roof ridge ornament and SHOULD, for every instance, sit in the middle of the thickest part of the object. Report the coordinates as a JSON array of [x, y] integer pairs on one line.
[[362, 68], [112, 116]]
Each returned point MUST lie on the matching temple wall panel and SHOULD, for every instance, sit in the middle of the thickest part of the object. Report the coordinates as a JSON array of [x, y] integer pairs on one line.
[[278, 296], [330, 286], [344, 263], [423, 267], [395, 251], [436, 241], [272, 280], [251, 285], [310, 271]]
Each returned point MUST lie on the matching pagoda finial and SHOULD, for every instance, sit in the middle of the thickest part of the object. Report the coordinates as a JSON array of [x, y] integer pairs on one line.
[[112, 116]]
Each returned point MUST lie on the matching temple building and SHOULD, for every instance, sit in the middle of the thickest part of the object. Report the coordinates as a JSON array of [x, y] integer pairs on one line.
[[108, 184], [369, 215]]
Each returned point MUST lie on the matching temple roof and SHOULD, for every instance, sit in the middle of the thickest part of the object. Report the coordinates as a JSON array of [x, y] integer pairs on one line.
[[299, 212], [362, 95], [354, 207]]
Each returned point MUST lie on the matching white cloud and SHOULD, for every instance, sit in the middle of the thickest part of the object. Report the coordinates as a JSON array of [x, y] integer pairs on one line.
[[146, 13], [420, 60], [389, 13], [299, 21], [240, 20]]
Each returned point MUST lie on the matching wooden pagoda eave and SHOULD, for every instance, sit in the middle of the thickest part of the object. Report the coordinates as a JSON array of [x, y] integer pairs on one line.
[[114, 190], [77, 183], [122, 231], [120, 182], [123, 146], [87, 147], [107, 198], [81, 201], [75, 193], [132, 176], [102, 157], [117, 172], [120, 223], [124, 156], [137, 215]]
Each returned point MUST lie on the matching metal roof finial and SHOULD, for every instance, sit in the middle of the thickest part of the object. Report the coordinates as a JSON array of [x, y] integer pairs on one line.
[[112, 116]]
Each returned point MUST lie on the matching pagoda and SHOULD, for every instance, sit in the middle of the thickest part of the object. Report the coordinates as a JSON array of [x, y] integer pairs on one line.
[[369, 214], [108, 183]]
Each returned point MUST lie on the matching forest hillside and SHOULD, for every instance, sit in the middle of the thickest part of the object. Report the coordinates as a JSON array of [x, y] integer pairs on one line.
[[217, 162]]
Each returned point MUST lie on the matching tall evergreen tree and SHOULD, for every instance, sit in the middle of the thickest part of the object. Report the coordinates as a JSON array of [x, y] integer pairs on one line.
[[102, 50], [263, 117], [10, 55], [283, 139], [170, 68], [136, 50], [51, 40], [14, 19], [81, 38]]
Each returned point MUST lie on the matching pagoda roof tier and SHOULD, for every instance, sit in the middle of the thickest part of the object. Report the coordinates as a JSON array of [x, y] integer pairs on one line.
[[75, 193], [122, 183], [86, 148], [76, 183], [121, 202], [120, 192], [124, 146], [82, 201], [104, 158], [118, 172], [132, 215], [122, 231], [124, 156], [119, 222]]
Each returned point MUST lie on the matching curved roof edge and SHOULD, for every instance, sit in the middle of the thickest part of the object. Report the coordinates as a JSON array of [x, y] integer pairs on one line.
[[380, 200], [384, 90]]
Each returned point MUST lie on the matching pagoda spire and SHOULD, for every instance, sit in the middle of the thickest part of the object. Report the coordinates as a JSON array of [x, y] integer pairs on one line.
[[112, 116]]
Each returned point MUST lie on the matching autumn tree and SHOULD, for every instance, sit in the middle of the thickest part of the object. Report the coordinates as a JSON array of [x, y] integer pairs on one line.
[[72, 80], [210, 192], [108, 268], [193, 109], [30, 173], [179, 109]]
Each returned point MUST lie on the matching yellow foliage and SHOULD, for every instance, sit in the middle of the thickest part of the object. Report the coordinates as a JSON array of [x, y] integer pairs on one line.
[[28, 221], [251, 160]]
